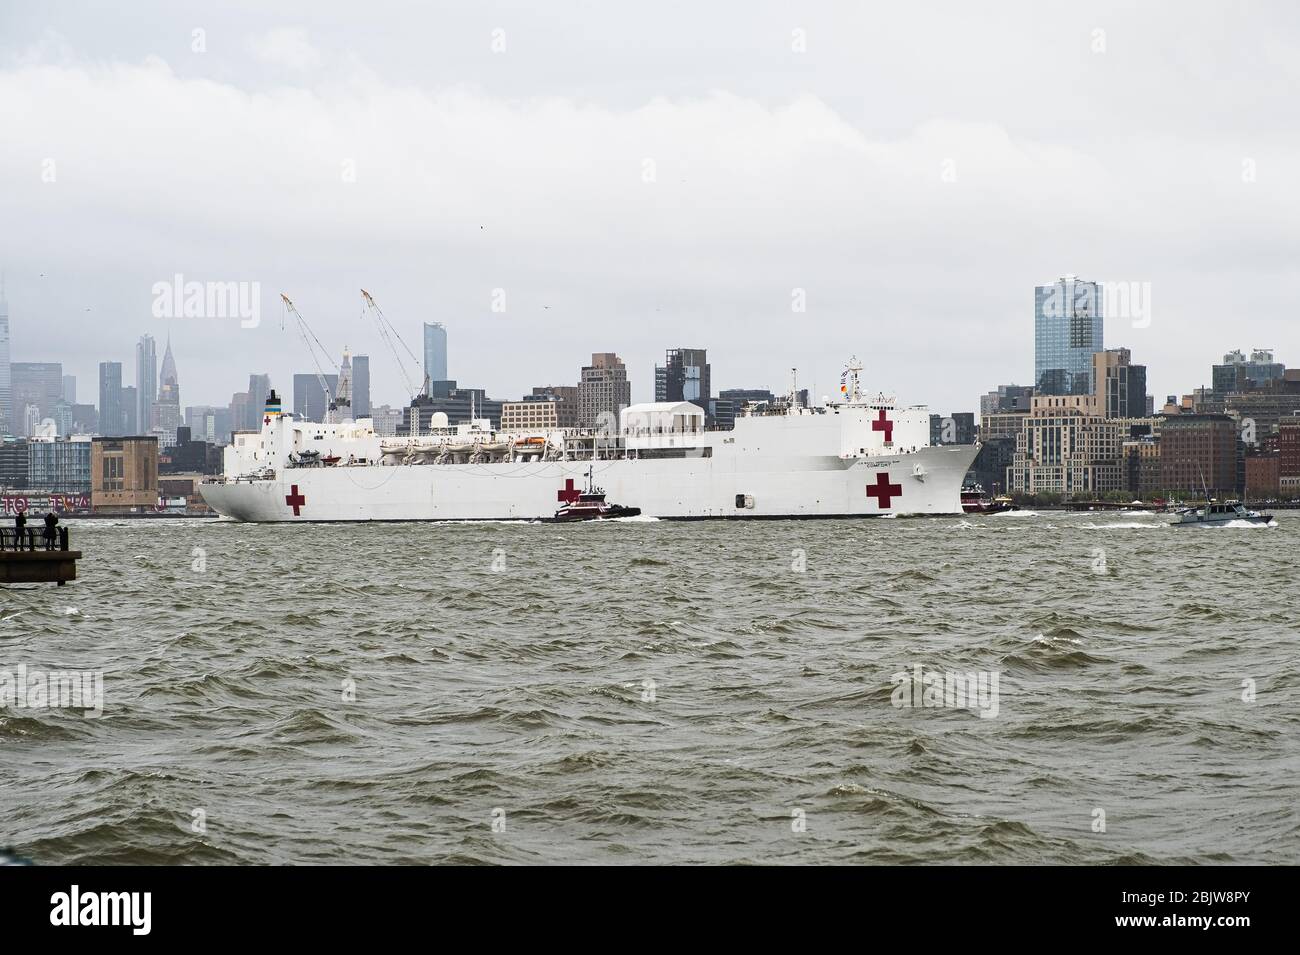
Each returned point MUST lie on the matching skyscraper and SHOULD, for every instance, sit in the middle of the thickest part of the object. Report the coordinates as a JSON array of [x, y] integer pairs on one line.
[[167, 409], [128, 423], [6, 396], [1121, 385], [1067, 331], [603, 390], [259, 386], [684, 376], [361, 386], [1237, 373], [111, 421], [435, 351], [70, 389], [146, 382], [36, 383], [341, 404]]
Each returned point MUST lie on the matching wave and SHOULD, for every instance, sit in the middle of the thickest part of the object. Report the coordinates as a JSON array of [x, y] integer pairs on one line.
[[1124, 525]]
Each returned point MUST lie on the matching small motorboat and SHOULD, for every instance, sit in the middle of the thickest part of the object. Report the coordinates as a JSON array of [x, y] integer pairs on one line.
[[1213, 514], [590, 505]]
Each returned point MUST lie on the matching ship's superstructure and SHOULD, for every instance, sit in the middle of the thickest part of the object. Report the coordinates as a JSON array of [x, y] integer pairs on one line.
[[857, 456]]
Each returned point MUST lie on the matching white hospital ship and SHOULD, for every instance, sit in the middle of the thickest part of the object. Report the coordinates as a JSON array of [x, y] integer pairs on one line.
[[855, 457]]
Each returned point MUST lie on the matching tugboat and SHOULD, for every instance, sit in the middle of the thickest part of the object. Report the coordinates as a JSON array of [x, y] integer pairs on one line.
[[1212, 514], [591, 506], [975, 501]]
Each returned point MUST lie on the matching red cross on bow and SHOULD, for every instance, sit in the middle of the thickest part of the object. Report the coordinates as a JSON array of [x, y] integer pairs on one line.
[[882, 490], [266, 420], [884, 424], [569, 494], [295, 500]]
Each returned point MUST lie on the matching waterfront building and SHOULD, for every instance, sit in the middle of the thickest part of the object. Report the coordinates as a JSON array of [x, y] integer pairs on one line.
[[1066, 446], [603, 390], [1288, 446], [1265, 406], [1068, 330], [59, 466], [1198, 455], [15, 453], [1263, 476], [123, 473], [1142, 466]]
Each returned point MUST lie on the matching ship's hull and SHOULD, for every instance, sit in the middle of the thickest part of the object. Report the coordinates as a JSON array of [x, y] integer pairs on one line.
[[927, 481]]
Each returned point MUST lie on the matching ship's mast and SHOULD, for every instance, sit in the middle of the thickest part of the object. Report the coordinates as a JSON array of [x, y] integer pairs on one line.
[[855, 390]]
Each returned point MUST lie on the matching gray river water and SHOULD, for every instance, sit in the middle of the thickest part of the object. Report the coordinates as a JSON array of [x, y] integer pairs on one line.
[[649, 691]]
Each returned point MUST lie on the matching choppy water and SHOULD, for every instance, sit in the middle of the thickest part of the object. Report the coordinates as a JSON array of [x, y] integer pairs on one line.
[[523, 694]]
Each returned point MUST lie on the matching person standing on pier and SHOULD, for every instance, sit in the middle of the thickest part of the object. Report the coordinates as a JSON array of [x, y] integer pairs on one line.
[[20, 529], [51, 522]]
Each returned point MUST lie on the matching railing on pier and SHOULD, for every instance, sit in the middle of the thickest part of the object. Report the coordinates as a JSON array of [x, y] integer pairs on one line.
[[33, 539]]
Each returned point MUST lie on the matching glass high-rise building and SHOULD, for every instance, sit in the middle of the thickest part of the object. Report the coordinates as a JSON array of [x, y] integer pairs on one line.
[[111, 419], [1067, 332], [435, 351], [146, 382], [361, 386]]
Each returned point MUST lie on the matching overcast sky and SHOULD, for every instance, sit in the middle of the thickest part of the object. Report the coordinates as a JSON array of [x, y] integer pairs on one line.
[[915, 169]]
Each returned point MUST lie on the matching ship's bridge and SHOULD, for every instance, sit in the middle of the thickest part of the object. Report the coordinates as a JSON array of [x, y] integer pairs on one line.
[[662, 424]]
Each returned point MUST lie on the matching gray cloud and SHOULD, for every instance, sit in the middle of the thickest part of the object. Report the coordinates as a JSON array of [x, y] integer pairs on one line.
[[915, 172]]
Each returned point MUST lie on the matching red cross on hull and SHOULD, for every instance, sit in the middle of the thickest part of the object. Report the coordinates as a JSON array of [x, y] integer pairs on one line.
[[569, 494], [883, 491], [295, 500], [884, 424]]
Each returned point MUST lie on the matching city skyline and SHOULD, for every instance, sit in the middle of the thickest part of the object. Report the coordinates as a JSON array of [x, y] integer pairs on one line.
[[905, 231], [293, 386]]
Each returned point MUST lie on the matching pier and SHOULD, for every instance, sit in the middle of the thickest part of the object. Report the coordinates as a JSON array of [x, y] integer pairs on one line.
[[33, 558]]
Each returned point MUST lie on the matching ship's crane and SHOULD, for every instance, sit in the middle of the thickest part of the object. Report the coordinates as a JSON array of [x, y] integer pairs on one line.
[[308, 336], [387, 332]]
